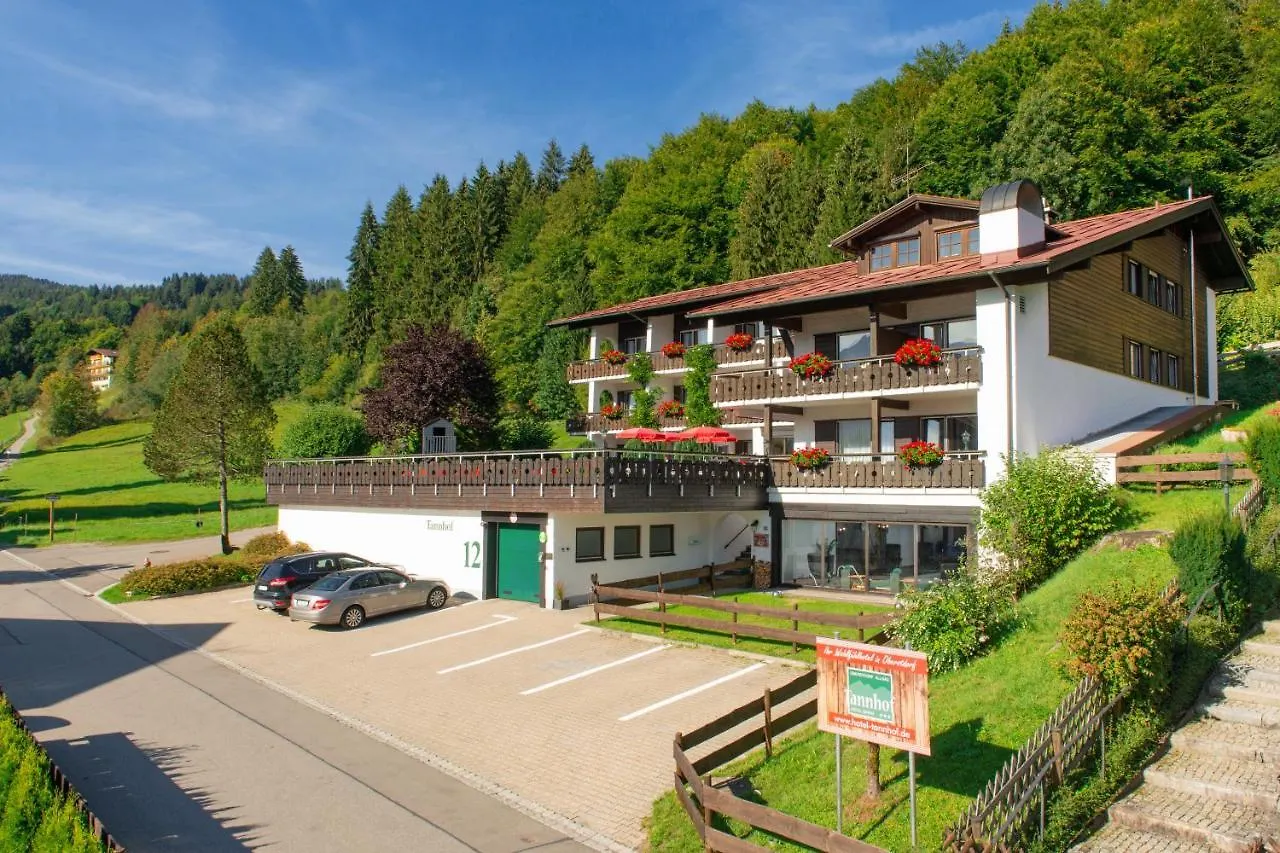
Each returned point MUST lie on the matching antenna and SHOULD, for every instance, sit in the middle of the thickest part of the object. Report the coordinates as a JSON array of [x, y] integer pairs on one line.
[[910, 173]]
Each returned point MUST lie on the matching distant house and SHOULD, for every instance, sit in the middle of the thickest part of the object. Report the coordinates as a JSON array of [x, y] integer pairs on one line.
[[101, 365]]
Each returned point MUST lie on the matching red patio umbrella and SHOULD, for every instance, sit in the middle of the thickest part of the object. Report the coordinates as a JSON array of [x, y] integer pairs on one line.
[[642, 434], [707, 435]]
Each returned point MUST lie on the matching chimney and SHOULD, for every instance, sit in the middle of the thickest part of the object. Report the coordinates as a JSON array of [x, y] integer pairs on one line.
[[1010, 221]]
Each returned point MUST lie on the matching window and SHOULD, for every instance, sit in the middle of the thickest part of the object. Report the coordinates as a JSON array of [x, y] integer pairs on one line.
[[752, 329], [881, 257], [588, 544], [953, 432], [1133, 278], [850, 345], [950, 244], [662, 540], [783, 445], [1155, 365], [365, 581], [351, 562], [1172, 298], [626, 542], [951, 334], [391, 578], [1171, 374], [1155, 292], [625, 400], [693, 337], [908, 252], [853, 437], [1135, 359], [975, 245], [679, 394]]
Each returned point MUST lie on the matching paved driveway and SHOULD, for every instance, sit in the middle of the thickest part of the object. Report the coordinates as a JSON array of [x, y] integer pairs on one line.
[[530, 704]]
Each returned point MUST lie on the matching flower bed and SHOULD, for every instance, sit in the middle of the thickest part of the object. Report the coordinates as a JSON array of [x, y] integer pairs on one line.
[[614, 357], [739, 341], [674, 349], [613, 411], [810, 458], [671, 409], [813, 365], [918, 352], [921, 454]]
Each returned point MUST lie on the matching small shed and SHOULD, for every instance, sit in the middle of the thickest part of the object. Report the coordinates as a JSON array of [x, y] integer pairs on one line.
[[439, 437]]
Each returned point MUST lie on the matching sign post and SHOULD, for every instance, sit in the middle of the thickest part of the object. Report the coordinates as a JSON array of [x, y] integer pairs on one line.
[[52, 499], [878, 695], [839, 781]]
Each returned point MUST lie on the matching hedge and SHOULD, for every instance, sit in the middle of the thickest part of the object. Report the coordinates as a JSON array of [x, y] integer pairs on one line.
[[210, 573]]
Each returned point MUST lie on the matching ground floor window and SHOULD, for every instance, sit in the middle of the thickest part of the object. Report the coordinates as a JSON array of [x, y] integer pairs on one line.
[[866, 554], [626, 542], [662, 540], [588, 544]]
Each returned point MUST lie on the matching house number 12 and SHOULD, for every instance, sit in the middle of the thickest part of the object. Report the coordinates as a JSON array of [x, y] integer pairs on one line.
[[468, 560]]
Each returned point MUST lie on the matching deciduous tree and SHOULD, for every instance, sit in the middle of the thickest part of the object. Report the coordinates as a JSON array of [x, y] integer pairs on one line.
[[68, 403]]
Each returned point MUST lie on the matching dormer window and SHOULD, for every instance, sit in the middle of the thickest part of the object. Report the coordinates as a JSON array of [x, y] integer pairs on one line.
[[882, 256], [897, 253], [908, 252], [958, 242]]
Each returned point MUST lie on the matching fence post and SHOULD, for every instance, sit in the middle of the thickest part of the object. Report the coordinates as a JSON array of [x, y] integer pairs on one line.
[[662, 604], [862, 633], [711, 578], [795, 624], [595, 594], [768, 722], [1055, 736], [1042, 809], [706, 810], [1159, 482], [735, 627]]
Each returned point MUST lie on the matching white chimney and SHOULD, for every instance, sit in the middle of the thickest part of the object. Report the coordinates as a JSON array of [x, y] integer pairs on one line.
[[1011, 219]]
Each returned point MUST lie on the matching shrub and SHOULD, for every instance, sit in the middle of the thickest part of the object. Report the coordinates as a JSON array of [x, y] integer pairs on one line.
[[266, 545], [524, 432], [698, 408], [1262, 448], [955, 621], [1251, 381], [1044, 511], [325, 430], [68, 403], [1209, 548], [1206, 640], [189, 576], [1125, 637]]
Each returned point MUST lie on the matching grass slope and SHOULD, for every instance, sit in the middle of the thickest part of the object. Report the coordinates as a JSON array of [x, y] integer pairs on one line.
[[11, 427], [1209, 440], [980, 715], [108, 495]]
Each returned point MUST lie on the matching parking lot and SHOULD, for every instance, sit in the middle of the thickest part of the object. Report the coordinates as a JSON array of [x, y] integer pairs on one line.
[[576, 720]]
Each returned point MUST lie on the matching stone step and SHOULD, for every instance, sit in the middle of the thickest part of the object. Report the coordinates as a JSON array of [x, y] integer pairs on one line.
[[1114, 838], [1254, 668], [1264, 644], [1250, 783], [1258, 693], [1232, 711], [1213, 824], [1241, 741]]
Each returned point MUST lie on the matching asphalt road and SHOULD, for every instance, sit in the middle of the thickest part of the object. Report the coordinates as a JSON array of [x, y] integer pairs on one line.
[[174, 751]]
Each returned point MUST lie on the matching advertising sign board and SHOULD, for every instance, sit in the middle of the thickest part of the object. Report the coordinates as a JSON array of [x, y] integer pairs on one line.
[[874, 694]]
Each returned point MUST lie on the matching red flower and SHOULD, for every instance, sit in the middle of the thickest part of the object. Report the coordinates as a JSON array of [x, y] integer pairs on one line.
[[921, 454], [613, 411], [614, 356], [739, 341], [671, 409], [918, 352], [814, 365], [675, 349], [810, 458]]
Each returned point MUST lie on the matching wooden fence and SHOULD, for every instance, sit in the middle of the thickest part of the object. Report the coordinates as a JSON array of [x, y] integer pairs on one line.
[[64, 787], [704, 802], [724, 576], [1163, 478], [1250, 504], [869, 627]]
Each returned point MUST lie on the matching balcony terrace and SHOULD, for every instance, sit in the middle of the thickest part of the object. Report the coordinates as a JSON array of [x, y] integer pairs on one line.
[[598, 368], [595, 422], [959, 470], [959, 369]]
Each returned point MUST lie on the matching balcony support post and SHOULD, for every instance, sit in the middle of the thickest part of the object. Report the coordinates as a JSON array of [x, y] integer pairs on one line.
[[874, 318], [875, 421]]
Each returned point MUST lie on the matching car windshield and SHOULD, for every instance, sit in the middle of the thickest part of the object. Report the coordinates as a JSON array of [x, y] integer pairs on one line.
[[330, 583], [274, 569]]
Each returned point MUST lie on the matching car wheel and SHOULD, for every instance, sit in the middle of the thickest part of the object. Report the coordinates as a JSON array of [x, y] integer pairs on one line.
[[353, 617], [437, 597]]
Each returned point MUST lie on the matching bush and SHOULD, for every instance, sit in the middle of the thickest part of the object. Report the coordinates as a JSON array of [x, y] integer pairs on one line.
[[28, 797], [189, 576], [1044, 511], [955, 621], [1251, 381], [524, 432], [325, 430], [1124, 636], [68, 404], [266, 545], [1208, 548], [1262, 447]]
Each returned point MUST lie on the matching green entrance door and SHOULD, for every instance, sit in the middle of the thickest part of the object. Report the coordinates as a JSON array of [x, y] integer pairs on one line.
[[519, 570]]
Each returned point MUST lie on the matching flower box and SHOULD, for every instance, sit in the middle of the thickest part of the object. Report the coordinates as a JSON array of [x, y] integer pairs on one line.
[[674, 349], [614, 357], [921, 454], [613, 411], [810, 459], [739, 341], [813, 365], [918, 352], [671, 409]]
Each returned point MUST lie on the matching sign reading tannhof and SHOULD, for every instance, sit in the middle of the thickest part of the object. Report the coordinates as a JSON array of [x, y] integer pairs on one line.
[[875, 694]]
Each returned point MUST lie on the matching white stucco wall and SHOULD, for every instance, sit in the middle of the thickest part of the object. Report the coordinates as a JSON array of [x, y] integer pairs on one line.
[[437, 544], [993, 397]]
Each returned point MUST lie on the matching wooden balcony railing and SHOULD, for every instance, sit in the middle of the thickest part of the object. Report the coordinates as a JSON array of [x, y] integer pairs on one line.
[[596, 422], [884, 471], [597, 368], [881, 373]]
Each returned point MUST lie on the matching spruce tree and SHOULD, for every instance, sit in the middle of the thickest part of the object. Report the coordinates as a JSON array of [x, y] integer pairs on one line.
[[554, 397], [394, 261], [755, 247], [215, 423], [582, 163], [362, 274], [518, 185], [266, 285], [436, 282], [293, 281], [855, 190], [551, 171]]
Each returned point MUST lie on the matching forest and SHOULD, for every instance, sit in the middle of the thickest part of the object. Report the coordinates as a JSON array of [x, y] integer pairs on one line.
[[1106, 105]]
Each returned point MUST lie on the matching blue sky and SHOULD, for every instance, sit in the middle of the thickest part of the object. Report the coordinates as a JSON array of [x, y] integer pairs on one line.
[[143, 138]]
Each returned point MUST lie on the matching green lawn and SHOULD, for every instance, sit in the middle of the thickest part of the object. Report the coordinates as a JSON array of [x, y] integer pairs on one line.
[[749, 644], [11, 427], [287, 412], [980, 715], [561, 439], [1209, 439], [108, 495], [1149, 511]]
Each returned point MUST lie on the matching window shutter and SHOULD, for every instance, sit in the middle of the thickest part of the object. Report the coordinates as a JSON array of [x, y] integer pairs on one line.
[[824, 434]]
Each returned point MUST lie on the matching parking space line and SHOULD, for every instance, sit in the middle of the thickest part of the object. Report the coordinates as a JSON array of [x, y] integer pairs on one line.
[[504, 620], [671, 700], [240, 601], [591, 671], [509, 652]]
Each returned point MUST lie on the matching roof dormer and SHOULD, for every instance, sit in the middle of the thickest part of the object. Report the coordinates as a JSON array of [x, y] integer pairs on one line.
[[908, 233]]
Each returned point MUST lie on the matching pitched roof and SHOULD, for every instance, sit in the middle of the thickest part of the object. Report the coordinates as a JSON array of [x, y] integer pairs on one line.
[[906, 204]]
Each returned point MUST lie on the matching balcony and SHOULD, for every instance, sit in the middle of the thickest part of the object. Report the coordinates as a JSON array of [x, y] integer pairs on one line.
[[880, 375], [960, 470], [578, 481], [598, 368], [595, 422]]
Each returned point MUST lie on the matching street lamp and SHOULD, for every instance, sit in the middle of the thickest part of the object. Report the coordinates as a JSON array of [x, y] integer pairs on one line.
[[1226, 473], [52, 499]]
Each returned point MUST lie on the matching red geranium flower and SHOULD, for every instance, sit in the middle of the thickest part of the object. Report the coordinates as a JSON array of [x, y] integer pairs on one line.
[[918, 352]]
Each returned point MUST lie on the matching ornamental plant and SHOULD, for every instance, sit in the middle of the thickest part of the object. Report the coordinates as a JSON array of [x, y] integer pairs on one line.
[[614, 357], [671, 409], [812, 365], [921, 454], [810, 458], [673, 349], [955, 621], [1124, 636], [918, 352], [613, 411], [739, 341]]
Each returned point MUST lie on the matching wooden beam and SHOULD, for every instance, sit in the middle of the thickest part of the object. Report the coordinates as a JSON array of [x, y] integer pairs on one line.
[[875, 344], [899, 405], [788, 343], [788, 410], [790, 324], [893, 309], [875, 412]]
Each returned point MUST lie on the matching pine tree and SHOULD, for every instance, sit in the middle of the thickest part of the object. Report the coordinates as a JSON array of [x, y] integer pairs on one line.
[[437, 279], [756, 245], [266, 284], [855, 190], [582, 163], [293, 281], [518, 183], [554, 397], [215, 423], [362, 275], [483, 214], [551, 171], [394, 262]]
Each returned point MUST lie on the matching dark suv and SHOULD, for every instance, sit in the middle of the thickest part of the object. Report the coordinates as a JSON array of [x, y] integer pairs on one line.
[[279, 579]]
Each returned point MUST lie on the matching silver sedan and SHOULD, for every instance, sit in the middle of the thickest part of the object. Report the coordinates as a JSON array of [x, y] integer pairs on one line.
[[350, 596]]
